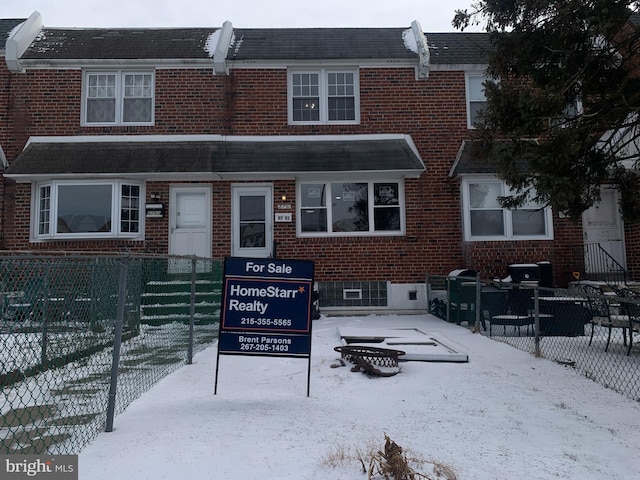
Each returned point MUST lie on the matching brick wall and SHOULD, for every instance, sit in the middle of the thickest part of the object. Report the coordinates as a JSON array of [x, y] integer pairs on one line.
[[254, 102], [632, 242]]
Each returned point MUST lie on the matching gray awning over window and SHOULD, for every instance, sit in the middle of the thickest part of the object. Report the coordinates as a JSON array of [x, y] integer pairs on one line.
[[216, 157], [472, 159], [475, 159]]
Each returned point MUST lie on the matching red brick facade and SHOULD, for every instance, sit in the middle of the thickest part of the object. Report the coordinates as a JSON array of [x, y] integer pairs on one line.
[[247, 101]]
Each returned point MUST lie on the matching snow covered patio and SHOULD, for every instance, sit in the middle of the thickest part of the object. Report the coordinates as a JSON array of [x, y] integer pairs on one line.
[[505, 414]]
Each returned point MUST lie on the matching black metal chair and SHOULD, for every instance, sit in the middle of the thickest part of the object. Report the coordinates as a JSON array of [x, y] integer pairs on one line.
[[26, 304], [600, 310], [632, 309], [512, 312]]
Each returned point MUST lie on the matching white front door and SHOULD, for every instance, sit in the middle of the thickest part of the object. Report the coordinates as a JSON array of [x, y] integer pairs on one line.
[[190, 221], [252, 221], [602, 224]]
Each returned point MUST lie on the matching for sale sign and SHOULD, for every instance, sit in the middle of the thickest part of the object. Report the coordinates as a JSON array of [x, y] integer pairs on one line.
[[266, 308]]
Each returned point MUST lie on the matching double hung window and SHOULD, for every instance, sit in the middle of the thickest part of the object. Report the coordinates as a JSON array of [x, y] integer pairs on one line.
[[476, 99], [97, 209], [350, 208], [486, 219], [118, 98], [323, 96]]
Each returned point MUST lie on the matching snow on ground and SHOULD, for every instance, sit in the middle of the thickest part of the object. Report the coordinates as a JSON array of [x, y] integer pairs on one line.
[[504, 415]]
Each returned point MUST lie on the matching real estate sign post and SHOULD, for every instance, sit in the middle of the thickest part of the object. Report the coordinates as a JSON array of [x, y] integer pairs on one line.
[[266, 309]]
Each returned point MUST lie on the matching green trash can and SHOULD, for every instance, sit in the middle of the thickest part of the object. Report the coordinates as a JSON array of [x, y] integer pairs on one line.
[[461, 287]]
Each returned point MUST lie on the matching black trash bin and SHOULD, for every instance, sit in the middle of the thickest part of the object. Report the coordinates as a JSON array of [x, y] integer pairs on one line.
[[546, 274], [520, 297], [462, 296]]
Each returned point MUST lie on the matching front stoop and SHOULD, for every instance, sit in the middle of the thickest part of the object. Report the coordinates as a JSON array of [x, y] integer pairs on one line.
[[169, 301]]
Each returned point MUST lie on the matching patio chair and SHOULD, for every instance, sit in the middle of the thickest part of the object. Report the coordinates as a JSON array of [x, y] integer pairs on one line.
[[600, 313], [508, 314], [25, 304], [632, 309]]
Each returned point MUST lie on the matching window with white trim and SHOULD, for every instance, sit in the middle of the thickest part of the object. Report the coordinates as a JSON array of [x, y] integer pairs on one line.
[[118, 98], [476, 99], [486, 219], [350, 208], [323, 96], [69, 209]]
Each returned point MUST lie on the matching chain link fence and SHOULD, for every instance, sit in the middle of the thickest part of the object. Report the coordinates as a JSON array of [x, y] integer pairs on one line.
[[596, 332], [67, 320]]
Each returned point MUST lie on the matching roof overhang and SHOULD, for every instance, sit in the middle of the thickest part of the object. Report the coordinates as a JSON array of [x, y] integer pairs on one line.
[[474, 158], [213, 157]]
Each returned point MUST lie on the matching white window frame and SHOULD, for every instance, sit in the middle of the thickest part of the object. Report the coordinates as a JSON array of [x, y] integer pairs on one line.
[[472, 96], [370, 205], [323, 95], [507, 215], [119, 97], [51, 205]]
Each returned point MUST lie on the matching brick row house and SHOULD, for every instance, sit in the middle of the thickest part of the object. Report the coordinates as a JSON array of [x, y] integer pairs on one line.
[[346, 146]]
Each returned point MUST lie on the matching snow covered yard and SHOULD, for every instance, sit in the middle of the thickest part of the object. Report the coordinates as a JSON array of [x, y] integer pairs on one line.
[[503, 415]]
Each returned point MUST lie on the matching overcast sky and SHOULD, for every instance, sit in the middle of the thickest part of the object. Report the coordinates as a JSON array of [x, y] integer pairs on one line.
[[433, 15]]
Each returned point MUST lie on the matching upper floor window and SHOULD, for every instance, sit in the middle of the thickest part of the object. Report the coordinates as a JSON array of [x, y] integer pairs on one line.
[[118, 98], [350, 208], [476, 99], [486, 219], [66, 209], [324, 96], [571, 113]]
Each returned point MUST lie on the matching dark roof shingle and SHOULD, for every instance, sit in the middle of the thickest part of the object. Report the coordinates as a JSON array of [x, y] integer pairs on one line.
[[6, 27], [216, 157], [261, 44], [124, 43]]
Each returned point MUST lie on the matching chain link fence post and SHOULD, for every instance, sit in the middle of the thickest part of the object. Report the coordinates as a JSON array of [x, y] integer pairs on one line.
[[192, 310], [536, 325], [45, 307], [478, 302], [117, 343]]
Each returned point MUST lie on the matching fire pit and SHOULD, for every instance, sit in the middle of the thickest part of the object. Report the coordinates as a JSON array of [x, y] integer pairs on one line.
[[370, 356]]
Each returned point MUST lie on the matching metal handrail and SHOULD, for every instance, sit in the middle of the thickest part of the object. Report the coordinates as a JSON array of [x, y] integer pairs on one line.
[[601, 263]]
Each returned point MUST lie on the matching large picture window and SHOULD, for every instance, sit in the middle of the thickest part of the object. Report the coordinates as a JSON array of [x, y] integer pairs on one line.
[[118, 98], [350, 208], [323, 96], [88, 210], [486, 219]]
